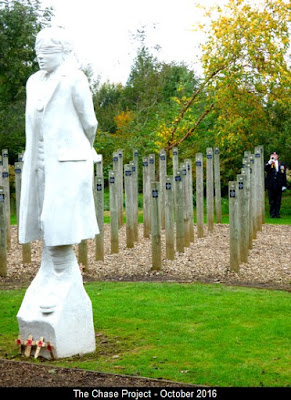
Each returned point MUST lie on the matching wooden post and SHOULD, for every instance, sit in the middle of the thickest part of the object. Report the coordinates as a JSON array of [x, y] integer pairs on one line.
[[248, 169], [156, 227], [247, 239], [247, 154], [135, 160], [115, 162], [83, 254], [252, 197], [179, 211], [209, 188], [99, 206], [258, 188], [113, 193], [134, 200], [162, 174], [169, 216], [152, 167], [243, 218], [146, 199], [175, 156], [152, 178], [17, 171], [26, 248], [129, 205], [117, 177], [186, 206], [6, 184], [120, 196], [3, 233], [99, 167], [217, 185], [188, 163], [263, 206], [233, 226], [199, 194]]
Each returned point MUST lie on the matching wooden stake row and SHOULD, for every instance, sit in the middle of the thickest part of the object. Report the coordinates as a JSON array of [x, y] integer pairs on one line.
[[180, 194], [246, 207]]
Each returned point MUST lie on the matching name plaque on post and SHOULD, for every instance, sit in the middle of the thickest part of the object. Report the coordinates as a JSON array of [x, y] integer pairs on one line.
[[5, 174], [209, 156], [257, 155], [162, 157], [198, 163], [127, 173], [112, 179], [178, 178], [175, 153], [155, 193], [216, 151], [115, 158], [17, 170], [168, 186], [2, 197], [152, 161], [232, 193], [133, 168], [240, 185], [135, 153], [184, 171], [145, 164], [99, 187]]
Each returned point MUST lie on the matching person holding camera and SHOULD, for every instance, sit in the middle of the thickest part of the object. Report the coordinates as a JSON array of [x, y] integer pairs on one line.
[[276, 183]]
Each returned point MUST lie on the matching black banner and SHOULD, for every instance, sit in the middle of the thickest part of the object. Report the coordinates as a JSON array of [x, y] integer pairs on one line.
[[125, 393]]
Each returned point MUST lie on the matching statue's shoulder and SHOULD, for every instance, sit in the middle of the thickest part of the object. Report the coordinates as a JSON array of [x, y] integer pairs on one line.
[[76, 79], [78, 75]]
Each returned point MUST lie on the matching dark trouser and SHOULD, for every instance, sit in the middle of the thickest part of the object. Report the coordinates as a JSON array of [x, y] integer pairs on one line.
[[275, 202]]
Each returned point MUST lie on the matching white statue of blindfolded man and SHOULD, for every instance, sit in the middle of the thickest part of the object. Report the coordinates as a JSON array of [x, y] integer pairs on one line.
[[57, 202]]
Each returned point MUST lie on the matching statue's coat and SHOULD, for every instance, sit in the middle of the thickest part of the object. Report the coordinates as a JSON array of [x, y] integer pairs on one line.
[[68, 129]]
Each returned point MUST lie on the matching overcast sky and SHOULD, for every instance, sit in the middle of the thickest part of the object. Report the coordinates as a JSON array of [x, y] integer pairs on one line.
[[103, 29]]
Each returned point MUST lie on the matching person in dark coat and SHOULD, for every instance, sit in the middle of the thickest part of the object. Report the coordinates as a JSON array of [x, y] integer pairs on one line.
[[276, 183]]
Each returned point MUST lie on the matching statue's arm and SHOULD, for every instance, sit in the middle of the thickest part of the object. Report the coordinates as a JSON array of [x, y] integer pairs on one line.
[[83, 103]]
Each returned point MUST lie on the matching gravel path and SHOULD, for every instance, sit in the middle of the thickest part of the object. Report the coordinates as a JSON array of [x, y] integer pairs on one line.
[[206, 260]]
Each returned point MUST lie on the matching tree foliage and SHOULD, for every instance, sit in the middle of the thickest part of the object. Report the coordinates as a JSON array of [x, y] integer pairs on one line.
[[242, 99], [248, 43]]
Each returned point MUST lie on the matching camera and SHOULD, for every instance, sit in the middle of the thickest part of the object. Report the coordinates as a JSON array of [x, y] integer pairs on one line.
[[273, 158]]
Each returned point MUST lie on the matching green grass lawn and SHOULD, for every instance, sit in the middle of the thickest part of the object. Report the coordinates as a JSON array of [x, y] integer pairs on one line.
[[203, 334]]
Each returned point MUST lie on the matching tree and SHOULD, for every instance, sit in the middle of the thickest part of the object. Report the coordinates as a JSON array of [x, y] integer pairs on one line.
[[108, 103], [20, 21], [245, 68], [249, 44]]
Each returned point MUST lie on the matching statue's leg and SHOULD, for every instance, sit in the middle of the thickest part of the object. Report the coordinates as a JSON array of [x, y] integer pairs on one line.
[[64, 263], [63, 257]]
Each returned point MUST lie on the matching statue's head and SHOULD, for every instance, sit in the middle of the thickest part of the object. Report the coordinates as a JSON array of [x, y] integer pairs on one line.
[[52, 46]]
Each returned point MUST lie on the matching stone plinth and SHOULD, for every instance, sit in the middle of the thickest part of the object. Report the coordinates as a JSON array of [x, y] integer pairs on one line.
[[57, 308]]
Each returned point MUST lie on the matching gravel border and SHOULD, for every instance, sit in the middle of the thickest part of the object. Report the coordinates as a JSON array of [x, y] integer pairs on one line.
[[206, 260]]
